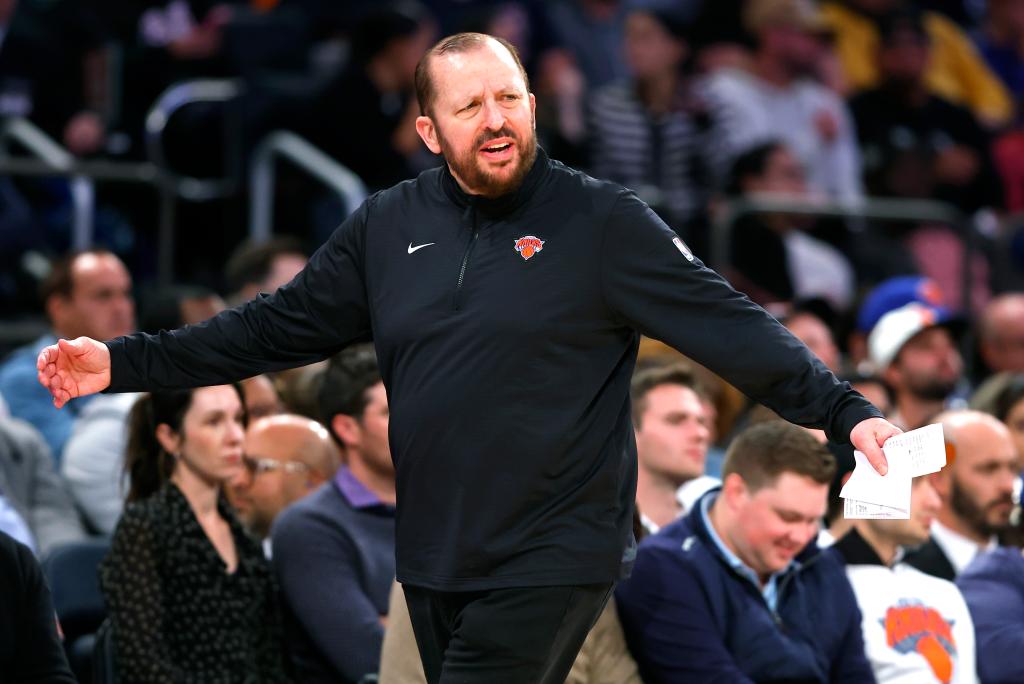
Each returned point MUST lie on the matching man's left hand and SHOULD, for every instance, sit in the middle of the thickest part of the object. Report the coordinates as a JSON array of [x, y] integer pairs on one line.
[[868, 436]]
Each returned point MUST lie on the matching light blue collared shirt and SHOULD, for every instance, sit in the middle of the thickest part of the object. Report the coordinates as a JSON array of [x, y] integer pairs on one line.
[[770, 590]]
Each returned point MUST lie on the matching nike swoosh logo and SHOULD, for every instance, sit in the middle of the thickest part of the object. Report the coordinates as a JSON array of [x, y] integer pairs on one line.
[[413, 249]]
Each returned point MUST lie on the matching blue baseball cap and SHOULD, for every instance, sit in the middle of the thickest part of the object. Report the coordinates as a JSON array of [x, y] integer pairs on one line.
[[897, 292]]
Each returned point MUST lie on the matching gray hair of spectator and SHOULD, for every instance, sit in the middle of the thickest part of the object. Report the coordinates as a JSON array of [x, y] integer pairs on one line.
[[59, 281], [146, 465], [647, 379], [252, 262], [344, 384], [456, 44], [762, 453]]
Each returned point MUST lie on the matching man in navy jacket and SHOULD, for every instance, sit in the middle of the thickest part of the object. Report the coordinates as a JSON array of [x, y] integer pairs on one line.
[[505, 294], [737, 591]]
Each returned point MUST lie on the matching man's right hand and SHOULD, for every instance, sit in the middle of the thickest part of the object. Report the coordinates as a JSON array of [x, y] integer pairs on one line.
[[74, 368]]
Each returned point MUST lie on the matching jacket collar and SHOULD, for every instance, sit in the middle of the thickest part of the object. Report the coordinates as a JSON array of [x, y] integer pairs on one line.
[[505, 204], [855, 551]]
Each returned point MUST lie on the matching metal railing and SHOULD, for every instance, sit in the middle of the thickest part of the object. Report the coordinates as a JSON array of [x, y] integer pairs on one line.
[[873, 209], [346, 184], [50, 157]]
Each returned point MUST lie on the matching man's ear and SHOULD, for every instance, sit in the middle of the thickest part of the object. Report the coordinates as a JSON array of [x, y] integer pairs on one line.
[[734, 489], [347, 429], [428, 133]]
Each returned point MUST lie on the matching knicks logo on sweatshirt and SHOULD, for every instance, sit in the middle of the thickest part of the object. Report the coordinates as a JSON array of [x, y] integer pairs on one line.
[[912, 627], [528, 245]]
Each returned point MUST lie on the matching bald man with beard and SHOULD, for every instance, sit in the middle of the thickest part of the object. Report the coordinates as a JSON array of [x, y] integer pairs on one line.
[[286, 458], [976, 488]]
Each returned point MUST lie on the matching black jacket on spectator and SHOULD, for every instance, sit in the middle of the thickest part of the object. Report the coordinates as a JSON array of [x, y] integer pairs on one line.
[[30, 647], [506, 331], [930, 559], [886, 125]]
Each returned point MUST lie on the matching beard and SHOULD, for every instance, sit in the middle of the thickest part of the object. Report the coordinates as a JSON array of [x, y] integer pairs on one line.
[[469, 169], [974, 514], [931, 389]]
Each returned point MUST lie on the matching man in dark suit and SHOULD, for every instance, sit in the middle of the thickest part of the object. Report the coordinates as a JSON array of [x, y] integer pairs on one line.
[[976, 487]]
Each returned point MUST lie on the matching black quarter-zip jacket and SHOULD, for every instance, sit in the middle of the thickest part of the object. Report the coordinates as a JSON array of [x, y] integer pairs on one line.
[[506, 332]]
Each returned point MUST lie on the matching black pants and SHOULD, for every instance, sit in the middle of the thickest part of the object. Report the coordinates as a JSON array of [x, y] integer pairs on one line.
[[503, 636]]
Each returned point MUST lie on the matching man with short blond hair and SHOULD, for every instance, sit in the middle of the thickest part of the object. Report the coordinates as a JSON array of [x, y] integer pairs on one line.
[[738, 591]]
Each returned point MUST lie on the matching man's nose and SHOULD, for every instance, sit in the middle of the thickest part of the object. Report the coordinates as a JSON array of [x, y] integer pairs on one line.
[[494, 116]]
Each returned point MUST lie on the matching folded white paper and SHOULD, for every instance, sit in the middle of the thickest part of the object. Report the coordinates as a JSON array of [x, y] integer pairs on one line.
[[911, 454]]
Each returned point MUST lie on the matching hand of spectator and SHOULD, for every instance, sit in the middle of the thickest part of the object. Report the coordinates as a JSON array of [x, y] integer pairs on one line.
[[74, 368], [84, 133], [956, 165], [868, 436], [827, 124]]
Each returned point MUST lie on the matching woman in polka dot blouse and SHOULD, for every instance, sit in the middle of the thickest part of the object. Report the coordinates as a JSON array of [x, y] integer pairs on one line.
[[190, 594]]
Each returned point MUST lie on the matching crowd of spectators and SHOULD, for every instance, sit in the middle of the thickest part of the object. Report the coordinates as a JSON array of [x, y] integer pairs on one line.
[[251, 527]]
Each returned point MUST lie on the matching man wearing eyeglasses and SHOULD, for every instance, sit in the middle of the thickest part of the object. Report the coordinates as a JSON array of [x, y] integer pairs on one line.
[[286, 458]]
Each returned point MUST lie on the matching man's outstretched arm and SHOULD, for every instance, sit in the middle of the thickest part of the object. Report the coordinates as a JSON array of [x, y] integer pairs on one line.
[[321, 311]]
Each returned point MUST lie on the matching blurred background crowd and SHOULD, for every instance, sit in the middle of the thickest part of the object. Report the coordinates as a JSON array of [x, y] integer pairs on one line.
[[855, 166]]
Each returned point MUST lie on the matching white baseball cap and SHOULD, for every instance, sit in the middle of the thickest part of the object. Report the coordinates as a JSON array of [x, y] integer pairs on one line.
[[896, 328]]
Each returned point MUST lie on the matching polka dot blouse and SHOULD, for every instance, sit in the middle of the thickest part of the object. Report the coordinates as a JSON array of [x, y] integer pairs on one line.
[[177, 615]]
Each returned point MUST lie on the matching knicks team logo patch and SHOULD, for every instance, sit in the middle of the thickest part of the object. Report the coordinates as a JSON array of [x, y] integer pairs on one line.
[[912, 627], [528, 245]]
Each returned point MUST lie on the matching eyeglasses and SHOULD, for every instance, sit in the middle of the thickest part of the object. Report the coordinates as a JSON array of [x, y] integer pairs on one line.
[[256, 465]]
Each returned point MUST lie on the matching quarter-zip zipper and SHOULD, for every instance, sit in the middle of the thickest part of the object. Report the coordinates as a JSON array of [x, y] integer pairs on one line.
[[465, 258]]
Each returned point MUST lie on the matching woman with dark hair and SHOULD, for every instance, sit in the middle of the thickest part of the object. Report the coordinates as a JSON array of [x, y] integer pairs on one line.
[[189, 592]]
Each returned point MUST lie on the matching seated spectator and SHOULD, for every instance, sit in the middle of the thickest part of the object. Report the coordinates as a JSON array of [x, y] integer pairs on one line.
[[365, 117], [916, 627], [343, 534], [808, 327], [780, 100], [956, 71], [189, 593], [774, 257], [35, 507], [993, 586], [51, 58], [260, 397], [1001, 333], [30, 642], [1003, 397], [93, 461], [255, 268], [169, 308], [87, 293], [286, 457], [737, 590], [901, 116], [648, 132], [914, 349], [976, 488], [672, 437], [889, 294]]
